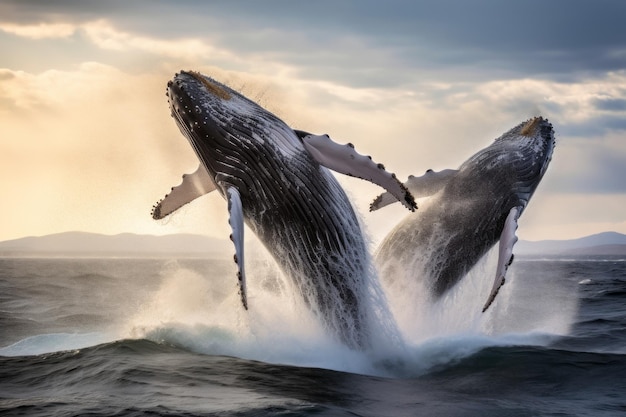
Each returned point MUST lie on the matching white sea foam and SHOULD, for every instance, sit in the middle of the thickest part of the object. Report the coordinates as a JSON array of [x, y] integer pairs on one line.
[[203, 313]]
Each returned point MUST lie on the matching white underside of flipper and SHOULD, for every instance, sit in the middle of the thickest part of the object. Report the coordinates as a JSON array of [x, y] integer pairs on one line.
[[235, 211], [344, 159], [426, 185], [505, 254], [193, 186]]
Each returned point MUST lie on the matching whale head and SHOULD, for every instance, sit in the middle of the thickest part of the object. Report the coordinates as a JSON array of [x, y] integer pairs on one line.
[[226, 130], [514, 163], [539, 136], [531, 145]]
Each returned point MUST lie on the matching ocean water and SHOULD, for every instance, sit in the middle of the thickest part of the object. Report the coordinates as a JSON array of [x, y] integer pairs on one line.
[[167, 337]]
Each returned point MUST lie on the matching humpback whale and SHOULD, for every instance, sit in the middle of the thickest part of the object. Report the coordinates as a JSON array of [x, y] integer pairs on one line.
[[471, 209], [277, 181]]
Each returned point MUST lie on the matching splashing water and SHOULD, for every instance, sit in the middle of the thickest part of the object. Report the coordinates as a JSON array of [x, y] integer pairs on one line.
[[202, 312], [518, 309]]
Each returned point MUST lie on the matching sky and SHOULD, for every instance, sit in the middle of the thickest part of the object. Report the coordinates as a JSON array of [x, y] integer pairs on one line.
[[87, 142]]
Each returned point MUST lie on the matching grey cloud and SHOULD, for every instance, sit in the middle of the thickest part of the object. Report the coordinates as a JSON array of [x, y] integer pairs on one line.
[[594, 127], [473, 39], [601, 173], [34, 11], [449, 39], [611, 104]]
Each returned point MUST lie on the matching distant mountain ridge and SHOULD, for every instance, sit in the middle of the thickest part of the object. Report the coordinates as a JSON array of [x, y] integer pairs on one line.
[[129, 244], [83, 243], [606, 243]]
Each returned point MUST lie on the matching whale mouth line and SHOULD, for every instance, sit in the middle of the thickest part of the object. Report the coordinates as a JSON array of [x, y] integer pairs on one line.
[[212, 87]]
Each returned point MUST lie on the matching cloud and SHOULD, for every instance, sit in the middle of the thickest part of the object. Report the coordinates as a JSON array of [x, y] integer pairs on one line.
[[449, 39], [588, 109], [416, 85], [40, 30], [611, 104], [588, 166], [55, 88], [369, 43], [106, 36], [90, 145]]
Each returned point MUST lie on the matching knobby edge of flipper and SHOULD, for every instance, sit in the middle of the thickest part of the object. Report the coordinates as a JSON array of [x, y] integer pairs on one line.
[[346, 160], [235, 220], [194, 185], [424, 186], [508, 239]]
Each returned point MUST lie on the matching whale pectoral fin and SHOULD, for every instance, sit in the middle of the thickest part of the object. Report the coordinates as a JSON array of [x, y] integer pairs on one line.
[[344, 159], [235, 211], [193, 186], [428, 184], [505, 255]]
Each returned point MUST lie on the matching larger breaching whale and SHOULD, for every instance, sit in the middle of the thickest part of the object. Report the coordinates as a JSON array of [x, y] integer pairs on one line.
[[276, 181], [471, 209]]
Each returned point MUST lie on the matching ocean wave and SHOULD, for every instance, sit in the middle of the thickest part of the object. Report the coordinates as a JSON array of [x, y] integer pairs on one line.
[[143, 377]]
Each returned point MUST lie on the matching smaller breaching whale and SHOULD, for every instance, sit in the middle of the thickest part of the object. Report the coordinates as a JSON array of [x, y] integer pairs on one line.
[[471, 209], [276, 180]]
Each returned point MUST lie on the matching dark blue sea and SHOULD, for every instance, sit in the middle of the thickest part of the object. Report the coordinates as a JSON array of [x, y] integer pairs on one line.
[[167, 337]]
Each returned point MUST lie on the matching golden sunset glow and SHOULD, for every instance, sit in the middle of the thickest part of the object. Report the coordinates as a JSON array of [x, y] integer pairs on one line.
[[87, 141]]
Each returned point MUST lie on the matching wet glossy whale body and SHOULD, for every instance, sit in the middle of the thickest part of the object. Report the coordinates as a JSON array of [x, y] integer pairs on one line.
[[272, 178], [471, 209]]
